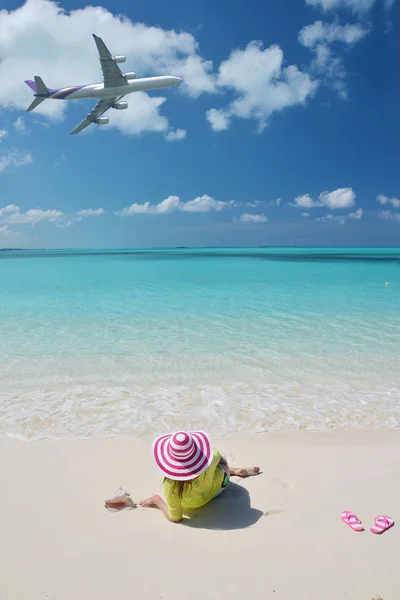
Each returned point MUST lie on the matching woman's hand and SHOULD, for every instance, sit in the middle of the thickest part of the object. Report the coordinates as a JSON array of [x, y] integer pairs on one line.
[[159, 502], [152, 501]]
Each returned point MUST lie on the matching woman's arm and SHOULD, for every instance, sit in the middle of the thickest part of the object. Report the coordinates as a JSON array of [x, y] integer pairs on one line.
[[163, 506]]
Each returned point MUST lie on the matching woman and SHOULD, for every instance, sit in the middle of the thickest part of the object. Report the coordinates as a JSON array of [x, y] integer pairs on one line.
[[194, 473]]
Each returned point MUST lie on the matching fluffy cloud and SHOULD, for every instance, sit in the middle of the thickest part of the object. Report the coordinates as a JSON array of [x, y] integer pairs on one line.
[[173, 203], [13, 158], [389, 215], [261, 84], [249, 218], [305, 214], [218, 119], [28, 47], [304, 201], [341, 219], [327, 33], [8, 237], [175, 136], [12, 215], [319, 37], [170, 204], [384, 200], [204, 204], [3, 134], [356, 215], [356, 6], [90, 212], [332, 218], [19, 125], [340, 198]]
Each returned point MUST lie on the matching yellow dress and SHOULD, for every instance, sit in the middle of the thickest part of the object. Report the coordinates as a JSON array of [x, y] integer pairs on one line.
[[202, 490]]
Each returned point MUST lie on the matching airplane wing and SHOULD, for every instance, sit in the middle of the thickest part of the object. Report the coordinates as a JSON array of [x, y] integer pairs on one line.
[[112, 74], [98, 110]]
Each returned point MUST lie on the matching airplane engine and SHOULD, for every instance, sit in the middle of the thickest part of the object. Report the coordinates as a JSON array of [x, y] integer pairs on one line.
[[120, 58], [130, 76], [102, 120], [120, 105]]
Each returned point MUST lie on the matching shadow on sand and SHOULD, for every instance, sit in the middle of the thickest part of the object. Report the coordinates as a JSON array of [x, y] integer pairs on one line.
[[231, 510]]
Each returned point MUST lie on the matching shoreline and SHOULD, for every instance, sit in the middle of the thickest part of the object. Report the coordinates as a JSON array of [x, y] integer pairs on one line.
[[299, 432], [278, 535]]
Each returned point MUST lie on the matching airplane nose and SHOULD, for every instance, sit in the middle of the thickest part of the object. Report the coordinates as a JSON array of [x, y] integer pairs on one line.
[[176, 80]]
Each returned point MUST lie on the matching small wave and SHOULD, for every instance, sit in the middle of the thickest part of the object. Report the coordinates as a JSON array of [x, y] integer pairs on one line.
[[235, 408]]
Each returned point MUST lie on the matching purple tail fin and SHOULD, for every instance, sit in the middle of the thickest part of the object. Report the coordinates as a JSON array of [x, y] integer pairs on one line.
[[32, 85]]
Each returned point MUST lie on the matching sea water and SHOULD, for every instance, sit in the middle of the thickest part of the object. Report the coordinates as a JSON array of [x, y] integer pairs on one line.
[[135, 342]]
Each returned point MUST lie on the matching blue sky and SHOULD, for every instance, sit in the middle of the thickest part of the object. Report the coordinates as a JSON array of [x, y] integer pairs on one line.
[[284, 132]]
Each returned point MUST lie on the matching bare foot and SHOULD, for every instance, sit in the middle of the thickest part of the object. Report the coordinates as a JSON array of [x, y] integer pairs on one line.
[[244, 472]]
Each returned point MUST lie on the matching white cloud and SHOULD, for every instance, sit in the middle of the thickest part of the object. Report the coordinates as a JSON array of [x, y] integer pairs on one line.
[[142, 115], [8, 237], [175, 136], [90, 212], [338, 219], [171, 204], [3, 134], [12, 215], [168, 205], [395, 202], [196, 74], [64, 224], [218, 119], [340, 198], [327, 33], [249, 218], [356, 6], [305, 214], [389, 215], [19, 125], [304, 201], [262, 86], [28, 46], [319, 37], [204, 204], [356, 215], [13, 158]]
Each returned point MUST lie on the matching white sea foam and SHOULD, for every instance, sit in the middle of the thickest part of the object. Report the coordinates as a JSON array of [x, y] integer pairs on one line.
[[96, 412]]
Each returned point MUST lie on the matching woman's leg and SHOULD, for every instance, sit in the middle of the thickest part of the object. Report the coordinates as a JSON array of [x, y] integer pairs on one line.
[[238, 471], [243, 472]]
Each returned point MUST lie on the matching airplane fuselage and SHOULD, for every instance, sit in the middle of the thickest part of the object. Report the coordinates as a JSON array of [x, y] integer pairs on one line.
[[97, 90]]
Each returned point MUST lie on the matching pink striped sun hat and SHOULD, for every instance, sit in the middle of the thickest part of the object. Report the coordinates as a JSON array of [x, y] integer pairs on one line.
[[183, 455]]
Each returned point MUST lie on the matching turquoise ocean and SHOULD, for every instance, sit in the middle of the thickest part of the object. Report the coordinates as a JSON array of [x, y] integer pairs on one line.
[[139, 342]]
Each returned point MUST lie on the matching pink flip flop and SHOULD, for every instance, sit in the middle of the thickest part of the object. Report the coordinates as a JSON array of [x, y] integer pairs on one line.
[[382, 524], [351, 520]]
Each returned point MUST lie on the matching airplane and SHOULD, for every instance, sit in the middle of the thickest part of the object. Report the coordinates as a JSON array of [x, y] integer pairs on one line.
[[115, 86]]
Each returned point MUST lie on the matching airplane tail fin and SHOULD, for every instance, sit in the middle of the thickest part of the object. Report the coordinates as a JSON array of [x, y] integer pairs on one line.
[[40, 90]]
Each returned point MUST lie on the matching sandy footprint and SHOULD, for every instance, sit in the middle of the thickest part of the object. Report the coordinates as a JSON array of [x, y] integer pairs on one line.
[[284, 484], [273, 512]]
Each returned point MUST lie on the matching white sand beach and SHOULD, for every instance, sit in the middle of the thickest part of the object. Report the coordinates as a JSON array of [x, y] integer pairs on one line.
[[278, 535]]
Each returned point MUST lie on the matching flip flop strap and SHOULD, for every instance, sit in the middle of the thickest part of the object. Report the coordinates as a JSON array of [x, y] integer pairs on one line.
[[378, 522], [353, 519]]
